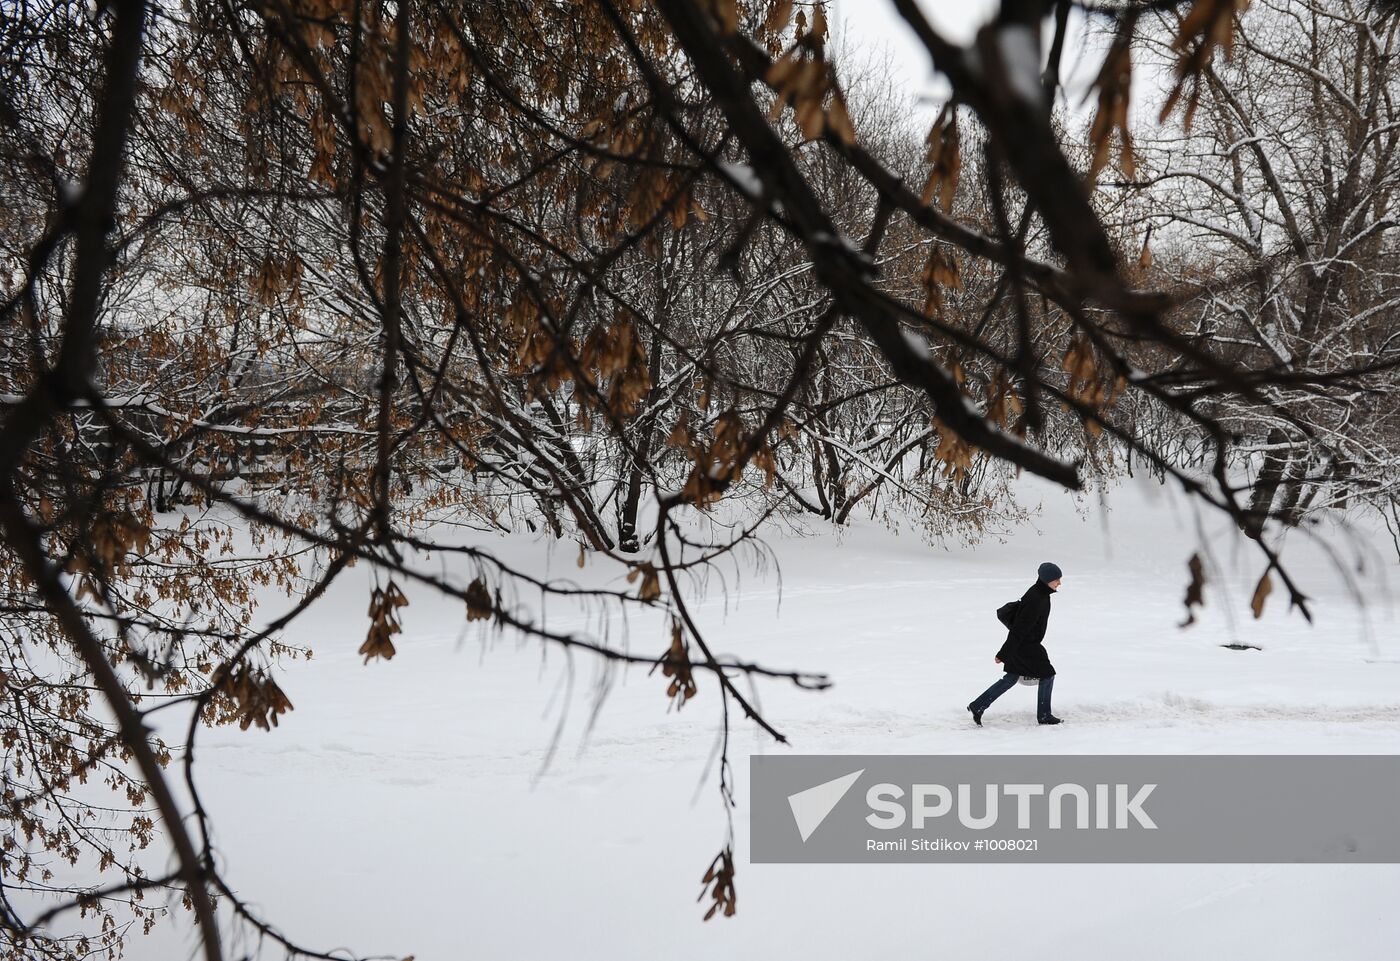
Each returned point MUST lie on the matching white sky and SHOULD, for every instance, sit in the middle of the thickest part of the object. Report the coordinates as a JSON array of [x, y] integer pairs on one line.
[[875, 24]]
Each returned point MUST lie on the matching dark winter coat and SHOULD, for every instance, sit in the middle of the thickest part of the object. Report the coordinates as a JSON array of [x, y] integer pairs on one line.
[[1023, 653]]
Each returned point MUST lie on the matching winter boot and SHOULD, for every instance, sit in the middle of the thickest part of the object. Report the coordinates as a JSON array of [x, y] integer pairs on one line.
[[976, 714], [1052, 719]]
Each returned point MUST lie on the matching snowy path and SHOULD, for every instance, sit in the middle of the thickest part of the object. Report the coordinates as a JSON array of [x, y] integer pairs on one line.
[[403, 806]]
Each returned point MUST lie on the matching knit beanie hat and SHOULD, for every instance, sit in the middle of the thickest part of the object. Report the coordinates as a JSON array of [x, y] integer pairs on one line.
[[1049, 572]]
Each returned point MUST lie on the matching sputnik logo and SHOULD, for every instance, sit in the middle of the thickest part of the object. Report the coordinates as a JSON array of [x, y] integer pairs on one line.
[[810, 807]]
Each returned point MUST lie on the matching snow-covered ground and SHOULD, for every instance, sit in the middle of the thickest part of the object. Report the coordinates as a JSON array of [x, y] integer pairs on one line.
[[406, 807]]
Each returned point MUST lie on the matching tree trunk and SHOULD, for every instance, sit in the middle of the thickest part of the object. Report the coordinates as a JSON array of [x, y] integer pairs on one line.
[[628, 542], [1266, 485]]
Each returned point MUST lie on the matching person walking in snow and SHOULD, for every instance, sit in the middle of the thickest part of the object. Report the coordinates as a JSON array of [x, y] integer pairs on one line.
[[1023, 655]]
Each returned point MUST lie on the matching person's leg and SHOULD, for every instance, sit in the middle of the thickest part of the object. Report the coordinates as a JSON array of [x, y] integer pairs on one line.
[[1042, 707], [984, 700]]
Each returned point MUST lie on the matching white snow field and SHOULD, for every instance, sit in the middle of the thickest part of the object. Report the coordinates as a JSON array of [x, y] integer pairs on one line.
[[405, 807]]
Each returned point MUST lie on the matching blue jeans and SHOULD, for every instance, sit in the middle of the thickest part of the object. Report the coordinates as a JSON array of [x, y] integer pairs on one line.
[[1007, 682]]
